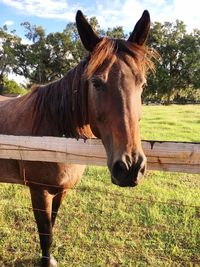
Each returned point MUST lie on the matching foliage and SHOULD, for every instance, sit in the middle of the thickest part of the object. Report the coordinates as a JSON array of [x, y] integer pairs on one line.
[[179, 66], [99, 224], [8, 42], [11, 87], [116, 32], [33, 58]]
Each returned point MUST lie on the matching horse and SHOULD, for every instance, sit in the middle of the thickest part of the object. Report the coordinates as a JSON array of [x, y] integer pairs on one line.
[[99, 98], [4, 97]]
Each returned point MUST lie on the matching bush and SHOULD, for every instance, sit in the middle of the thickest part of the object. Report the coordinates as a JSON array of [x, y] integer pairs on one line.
[[180, 96], [11, 87], [189, 95]]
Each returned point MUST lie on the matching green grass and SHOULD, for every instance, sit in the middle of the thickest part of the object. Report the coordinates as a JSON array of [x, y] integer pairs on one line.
[[99, 224], [171, 123]]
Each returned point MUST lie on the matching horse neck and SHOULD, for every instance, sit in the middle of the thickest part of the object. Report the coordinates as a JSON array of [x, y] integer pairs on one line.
[[61, 107]]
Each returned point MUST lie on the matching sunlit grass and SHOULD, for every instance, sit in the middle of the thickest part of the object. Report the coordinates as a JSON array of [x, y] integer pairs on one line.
[[171, 123]]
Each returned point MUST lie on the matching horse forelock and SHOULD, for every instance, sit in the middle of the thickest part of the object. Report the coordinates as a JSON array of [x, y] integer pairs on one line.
[[108, 49]]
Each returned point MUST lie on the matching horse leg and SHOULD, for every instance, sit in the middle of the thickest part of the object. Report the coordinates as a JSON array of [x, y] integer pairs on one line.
[[57, 200], [42, 208]]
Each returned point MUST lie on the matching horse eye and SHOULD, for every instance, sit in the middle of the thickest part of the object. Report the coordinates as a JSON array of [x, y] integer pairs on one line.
[[98, 84]]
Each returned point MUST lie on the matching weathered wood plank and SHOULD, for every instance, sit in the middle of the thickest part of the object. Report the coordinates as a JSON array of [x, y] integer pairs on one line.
[[165, 156]]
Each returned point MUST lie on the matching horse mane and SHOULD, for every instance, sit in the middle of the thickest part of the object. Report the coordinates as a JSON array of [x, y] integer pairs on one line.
[[64, 103]]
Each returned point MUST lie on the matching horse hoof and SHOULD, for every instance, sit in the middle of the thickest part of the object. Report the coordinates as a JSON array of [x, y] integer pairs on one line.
[[53, 261]]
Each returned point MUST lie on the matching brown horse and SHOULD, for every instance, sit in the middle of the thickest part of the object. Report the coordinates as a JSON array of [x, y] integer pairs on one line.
[[100, 97]]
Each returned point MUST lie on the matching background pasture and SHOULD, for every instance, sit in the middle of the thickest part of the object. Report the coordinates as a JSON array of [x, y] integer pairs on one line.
[[99, 224]]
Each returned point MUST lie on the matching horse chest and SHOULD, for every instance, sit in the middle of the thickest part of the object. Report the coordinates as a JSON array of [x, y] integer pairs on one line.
[[70, 174]]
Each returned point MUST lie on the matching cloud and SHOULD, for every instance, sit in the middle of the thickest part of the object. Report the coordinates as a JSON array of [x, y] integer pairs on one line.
[[43, 9], [188, 11], [8, 23], [126, 13], [112, 13]]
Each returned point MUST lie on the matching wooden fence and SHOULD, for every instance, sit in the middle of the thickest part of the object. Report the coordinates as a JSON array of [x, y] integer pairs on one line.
[[165, 156]]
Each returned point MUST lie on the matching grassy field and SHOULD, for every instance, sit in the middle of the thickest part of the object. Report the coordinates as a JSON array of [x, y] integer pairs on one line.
[[99, 224], [171, 123]]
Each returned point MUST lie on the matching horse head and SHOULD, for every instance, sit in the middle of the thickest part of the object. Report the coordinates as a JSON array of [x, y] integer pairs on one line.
[[116, 74]]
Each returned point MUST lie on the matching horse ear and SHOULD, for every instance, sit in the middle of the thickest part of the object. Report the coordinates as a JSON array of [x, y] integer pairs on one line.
[[141, 30], [88, 37]]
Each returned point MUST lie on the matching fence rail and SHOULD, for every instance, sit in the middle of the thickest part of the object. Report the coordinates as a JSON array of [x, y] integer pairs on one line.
[[161, 155]]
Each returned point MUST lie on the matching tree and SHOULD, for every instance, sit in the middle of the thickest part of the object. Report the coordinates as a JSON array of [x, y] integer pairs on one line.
[[178, 67], [33, 58], [116, 32], [191, 43], [7, 52], [48, 57], [77, 51]]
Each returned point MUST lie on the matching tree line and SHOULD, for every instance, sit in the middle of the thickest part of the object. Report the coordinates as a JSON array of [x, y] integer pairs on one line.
[[46, 57]]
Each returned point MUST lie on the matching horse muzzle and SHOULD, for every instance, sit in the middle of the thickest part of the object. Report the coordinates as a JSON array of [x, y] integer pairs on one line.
[[126, 174]]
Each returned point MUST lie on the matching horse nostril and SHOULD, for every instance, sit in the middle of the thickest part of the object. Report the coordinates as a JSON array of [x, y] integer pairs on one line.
[[126, 172], [119, 170]]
